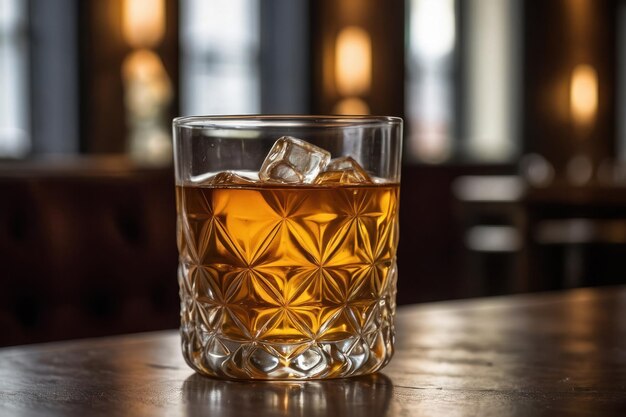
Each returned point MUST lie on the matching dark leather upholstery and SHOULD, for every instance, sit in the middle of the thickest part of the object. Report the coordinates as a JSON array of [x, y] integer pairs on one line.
[[87, 248]]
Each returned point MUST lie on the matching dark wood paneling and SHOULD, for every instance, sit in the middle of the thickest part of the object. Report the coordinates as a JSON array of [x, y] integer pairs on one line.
[[432, 259], [87, 248]]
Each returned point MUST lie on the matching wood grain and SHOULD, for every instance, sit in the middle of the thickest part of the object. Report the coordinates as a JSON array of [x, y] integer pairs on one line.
[[560, 354]]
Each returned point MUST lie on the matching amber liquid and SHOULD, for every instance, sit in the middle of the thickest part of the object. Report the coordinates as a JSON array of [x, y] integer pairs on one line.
[[287, 282]]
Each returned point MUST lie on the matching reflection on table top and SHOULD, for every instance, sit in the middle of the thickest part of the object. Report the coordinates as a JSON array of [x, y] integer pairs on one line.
[[544, 354]]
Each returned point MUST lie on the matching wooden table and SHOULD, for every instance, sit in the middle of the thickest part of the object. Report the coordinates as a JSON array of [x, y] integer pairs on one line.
[[533, 355]]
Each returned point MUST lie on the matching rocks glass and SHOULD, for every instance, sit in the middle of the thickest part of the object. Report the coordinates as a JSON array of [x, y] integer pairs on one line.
[[287, 234]]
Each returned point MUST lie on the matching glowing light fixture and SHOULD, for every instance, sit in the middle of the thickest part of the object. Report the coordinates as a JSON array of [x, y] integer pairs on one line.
[[148, 93], [147, 82], [584, 96], [143, 22], [147, 87], [351, 105], [353, 62]]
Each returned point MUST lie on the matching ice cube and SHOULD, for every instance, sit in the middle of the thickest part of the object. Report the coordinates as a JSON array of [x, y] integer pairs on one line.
[[344, 170], [293, 160], [227, 178]]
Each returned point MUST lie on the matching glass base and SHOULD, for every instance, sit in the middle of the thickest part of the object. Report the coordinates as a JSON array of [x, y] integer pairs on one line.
[[244, 360], [355, 339]]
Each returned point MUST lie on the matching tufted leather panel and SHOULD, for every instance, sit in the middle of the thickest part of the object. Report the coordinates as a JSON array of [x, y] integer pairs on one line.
[[86, 249]]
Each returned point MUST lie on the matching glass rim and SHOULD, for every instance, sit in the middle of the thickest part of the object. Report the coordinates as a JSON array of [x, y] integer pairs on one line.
[[283, 120]]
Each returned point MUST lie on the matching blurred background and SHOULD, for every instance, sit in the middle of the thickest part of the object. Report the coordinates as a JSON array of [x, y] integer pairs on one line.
[[514, 176]]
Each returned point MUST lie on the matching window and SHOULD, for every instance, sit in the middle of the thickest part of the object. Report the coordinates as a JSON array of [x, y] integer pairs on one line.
[[14, 115], [430, 93], [463, 80], [219, 57]]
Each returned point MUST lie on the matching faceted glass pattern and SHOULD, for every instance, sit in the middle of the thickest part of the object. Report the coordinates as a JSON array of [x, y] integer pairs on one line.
[[284, 282]]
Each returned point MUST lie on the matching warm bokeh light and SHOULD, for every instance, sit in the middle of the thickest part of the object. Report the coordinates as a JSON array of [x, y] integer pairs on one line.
[[351, 106], [143, 22], [148, 93], [353, 61], [584, 95], [144, 66]]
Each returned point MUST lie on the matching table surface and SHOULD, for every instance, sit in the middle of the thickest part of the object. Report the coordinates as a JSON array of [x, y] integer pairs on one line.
[[551, 354]]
